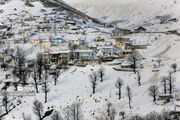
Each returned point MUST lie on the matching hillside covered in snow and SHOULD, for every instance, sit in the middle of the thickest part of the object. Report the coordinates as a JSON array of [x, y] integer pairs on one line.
[[57, 63], [127, 12]]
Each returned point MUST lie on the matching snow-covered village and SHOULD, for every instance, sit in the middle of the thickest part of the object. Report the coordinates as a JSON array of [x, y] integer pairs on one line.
[[89, 60]]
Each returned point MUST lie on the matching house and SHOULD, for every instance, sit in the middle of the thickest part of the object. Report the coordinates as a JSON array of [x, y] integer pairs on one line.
[[107, 51], [99, 40], [126, 52], [70, 22], [64, 57], [56, 58], [84, 54], [46, 57], [15, 60], [126, 64], [116, 50], [173, 20], [76, 42], [149, 65], [165, 97], [58, 40], [45, 44], [121, 32], [11, 41], [122, 43], [34, 41], [10, 68], [2, 54], [140, 29]]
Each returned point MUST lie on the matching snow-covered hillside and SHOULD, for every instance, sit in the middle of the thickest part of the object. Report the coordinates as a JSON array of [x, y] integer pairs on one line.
[[74, 83], [127, 12]]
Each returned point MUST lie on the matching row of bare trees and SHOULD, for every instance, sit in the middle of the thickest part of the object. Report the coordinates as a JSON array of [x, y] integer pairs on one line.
[[72, 112], [95, 76], [167, 83], [110, 113]]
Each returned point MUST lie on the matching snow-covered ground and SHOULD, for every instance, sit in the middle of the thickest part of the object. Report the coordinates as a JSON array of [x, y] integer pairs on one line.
[[74, 85]]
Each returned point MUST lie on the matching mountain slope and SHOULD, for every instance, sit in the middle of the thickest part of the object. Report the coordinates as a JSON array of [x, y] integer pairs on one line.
[[127, 12], [65, 6]]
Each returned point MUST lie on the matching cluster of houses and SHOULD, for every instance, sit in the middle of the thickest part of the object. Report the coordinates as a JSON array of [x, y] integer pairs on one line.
[[83, 52], [88, 53], [79, 52]]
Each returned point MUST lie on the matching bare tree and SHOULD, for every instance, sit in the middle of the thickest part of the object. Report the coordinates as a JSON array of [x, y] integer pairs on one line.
[[93, 80], [1, 115], [56, 76], [170, 80], [134, 58], [38, 109], [4, 66], [67, 113], [20, 71], [24, 74], [159, 62], [56, 116], [154, 116], [111, 112], [174, 67], [109, 105], [122, 113], [35, 78], [153, 91], [40, 66], [136, 117], [164, 19], [101, 73], [5, 102], [15, 83], [20, 52], [118, 85], [74, 112], [139, 78], [45, 87], [26, 117], [129, 95], [164, 83], [71, 53]]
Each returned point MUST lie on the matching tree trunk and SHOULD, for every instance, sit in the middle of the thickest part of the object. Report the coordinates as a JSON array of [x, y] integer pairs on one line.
[[6, 109], [129, 104], [55, 81], [119, 93], [165, 88], [101, 78], [45, 97], [36, 87], [94, 89], [134, 66], [154, 100]]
